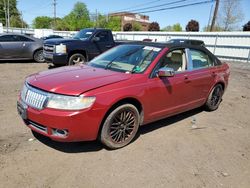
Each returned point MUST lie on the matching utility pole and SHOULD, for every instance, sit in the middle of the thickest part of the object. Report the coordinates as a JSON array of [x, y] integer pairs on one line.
[[5, 12], [54, 4], [96, 18], [215, 14], [8, 15]]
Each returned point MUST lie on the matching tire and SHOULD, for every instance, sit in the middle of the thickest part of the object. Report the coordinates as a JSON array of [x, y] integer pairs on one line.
[[214, 98], [38, 56], [77, 59], [120, 126]]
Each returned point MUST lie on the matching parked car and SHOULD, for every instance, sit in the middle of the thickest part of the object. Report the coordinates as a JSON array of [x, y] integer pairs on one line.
[[85, 45], [128, 86], [21, 47], [52, 37]]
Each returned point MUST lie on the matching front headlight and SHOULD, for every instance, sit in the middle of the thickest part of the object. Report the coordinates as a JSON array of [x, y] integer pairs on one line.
[[61, 49], [69, 102]]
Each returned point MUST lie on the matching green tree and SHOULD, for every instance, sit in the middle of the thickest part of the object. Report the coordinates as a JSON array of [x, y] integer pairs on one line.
[[78, 18], [136, 26], [177, 27], [42, 22], [114, 24], [15, 16]]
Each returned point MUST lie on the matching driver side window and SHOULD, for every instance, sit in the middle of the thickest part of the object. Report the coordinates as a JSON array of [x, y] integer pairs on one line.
[[176, 60]]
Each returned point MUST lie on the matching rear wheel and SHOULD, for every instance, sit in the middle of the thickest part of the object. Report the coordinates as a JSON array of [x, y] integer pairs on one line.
[[77, 59], [214, 98], [38, 56], [120, 127]]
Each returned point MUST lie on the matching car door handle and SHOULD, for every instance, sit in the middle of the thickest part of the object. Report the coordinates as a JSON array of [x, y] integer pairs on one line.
[[213, 74], [186, 79], [109, 46]]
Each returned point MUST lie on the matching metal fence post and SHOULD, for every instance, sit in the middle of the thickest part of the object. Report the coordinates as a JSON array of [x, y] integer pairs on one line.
[[248, 59], [215, 44]]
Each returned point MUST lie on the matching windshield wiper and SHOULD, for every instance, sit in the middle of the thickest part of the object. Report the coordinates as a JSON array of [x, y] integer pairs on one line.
[[125, 55]]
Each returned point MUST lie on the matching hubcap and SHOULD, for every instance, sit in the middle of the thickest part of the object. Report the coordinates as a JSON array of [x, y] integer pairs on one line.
[[216, 96], [39, 56], [78, 60], [122, 126]]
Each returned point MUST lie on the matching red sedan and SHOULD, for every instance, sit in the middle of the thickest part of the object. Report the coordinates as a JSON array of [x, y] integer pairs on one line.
[[125, 87]]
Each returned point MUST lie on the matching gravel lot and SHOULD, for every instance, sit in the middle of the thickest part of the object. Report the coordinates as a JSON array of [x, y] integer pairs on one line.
[[213, 152]]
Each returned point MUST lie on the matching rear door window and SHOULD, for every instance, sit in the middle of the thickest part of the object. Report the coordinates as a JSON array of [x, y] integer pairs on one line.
[[7, 38], [200, 59]]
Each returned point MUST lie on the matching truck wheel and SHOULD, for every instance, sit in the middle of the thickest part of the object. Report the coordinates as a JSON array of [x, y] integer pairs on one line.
[[214, 98], [77, 59], [120, 127], [38, 56]]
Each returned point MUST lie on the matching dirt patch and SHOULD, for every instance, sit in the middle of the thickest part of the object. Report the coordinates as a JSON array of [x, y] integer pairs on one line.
[[194, 149]]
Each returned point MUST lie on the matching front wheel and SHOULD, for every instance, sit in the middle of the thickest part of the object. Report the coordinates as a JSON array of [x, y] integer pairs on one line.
[[77, 59], [214, 98], [38, 56], [120, 127]]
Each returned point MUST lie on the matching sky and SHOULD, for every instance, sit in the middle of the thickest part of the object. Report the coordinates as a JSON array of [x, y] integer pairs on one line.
[[33, 8]]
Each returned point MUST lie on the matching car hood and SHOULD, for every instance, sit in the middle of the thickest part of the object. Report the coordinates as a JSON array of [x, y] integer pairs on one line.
[[75, 80], [60, 41]]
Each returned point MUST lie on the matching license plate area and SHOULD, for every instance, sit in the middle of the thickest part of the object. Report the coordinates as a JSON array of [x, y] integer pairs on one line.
[[22, 109]]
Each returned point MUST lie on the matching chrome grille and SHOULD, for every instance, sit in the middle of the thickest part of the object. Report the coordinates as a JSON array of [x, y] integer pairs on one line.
[[34, 97]]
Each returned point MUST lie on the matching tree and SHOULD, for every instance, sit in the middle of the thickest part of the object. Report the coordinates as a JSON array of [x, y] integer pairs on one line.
[[136, 26], [127, 27], [15, 15], [230, 15], [114, 23], [42, 22], [246, 27], [175, 27], [192, 25], [77, 19], [154, 26]]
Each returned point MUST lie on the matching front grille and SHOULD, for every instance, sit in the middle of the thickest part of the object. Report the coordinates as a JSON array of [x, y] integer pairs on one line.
[[34, 97]]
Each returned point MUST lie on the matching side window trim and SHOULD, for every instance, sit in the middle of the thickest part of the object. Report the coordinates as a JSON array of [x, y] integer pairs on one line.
[[189, 59]]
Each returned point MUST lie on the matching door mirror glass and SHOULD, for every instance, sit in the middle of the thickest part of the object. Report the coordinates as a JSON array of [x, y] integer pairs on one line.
[[96, 39], [165, 72]]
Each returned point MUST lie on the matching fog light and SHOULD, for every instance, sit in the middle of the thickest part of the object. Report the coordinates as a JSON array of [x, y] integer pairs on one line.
[[60, 132]]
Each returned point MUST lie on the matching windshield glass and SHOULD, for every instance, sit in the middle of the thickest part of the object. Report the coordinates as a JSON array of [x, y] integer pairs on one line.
[[83, 34], [127, 58]]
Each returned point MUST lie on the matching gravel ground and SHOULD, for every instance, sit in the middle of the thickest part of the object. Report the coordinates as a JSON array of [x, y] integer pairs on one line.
[[174, 152]]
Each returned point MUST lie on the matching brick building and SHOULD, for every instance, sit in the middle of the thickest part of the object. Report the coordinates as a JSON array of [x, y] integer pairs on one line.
[[127, 17]]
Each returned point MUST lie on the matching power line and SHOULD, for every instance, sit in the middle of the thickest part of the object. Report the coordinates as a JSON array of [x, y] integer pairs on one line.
[[170, 3], [136, 6], [175, 7]]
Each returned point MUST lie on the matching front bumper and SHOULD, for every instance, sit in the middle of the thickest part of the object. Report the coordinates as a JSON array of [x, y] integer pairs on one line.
[[82, 125], [56, 59]]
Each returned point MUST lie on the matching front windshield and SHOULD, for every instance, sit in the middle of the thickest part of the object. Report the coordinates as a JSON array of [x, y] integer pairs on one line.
[[83, 34], [127, 58]]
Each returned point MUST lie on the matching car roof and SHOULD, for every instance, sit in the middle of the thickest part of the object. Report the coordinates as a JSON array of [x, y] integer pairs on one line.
[[172, 43]]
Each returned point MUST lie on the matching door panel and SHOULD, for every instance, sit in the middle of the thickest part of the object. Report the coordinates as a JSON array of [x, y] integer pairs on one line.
[[167, 95]]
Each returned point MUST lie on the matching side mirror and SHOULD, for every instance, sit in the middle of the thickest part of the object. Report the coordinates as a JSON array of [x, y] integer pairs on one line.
[[165, 72], [96, 39]]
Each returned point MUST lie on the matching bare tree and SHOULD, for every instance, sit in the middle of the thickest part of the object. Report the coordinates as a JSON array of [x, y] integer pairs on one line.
[[230, 15]]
